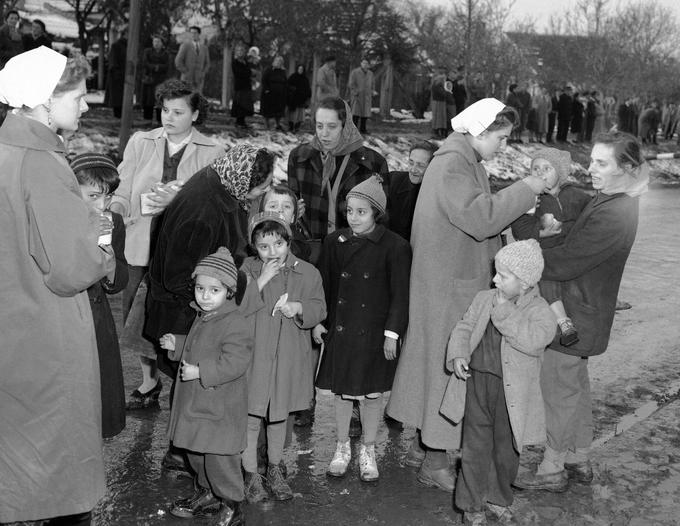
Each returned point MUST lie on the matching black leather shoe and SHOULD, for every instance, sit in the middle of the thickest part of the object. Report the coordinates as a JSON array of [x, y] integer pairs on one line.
[[230, 514], [186, 508], [175, 465], [148, 400], [580, 471]]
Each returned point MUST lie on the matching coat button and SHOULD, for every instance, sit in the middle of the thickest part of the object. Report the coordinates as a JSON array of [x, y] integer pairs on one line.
[[339, 328], [365, 275], [344, 274], [341, 301], [363, 305]]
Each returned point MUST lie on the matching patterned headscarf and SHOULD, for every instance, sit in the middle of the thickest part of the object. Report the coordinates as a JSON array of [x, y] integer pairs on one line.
[[235, 169]]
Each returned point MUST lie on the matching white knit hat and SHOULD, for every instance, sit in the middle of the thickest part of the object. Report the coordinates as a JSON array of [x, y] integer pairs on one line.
[[524, 259]]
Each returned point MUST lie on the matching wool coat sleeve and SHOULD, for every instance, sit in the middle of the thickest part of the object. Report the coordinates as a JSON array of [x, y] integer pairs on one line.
[[120, 279], [190, 243], [313, 302], [399, 271], [527, 332], [176, 354], [127, 170], [69, 262], [473, 209], [460, 341], [526, 226], [180, 58], [235, 355], [584, 249]]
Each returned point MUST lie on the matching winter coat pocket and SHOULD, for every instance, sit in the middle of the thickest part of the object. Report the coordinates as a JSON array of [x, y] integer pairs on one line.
[[208, 403]]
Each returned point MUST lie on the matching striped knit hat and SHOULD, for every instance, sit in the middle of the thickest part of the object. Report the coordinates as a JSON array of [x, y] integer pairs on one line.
[[84, 161], [371, 190], [219, 265]]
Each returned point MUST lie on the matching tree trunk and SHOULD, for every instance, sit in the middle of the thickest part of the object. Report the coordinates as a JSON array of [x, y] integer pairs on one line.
[[315, 68], [226, 73], [387, 89], [130, 74]]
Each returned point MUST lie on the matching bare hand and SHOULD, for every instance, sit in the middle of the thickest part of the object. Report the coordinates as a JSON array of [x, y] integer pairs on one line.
[[301, 208], [390, 348], [105, 225], [188, 372], [269, 270], [500, 297], [461, 369], [162, 195], [167, 342], [317, 333], [291, 309], [536, 184]]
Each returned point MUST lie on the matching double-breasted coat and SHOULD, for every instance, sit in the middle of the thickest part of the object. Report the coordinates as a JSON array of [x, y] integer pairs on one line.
[[361, 92], [455, 235], [280, 377], [110, 364], [526, 328], [365, 280], [50, 405], [210, 414]]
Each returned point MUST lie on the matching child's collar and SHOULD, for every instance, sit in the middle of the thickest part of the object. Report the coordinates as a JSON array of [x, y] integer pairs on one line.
[[227, 307]]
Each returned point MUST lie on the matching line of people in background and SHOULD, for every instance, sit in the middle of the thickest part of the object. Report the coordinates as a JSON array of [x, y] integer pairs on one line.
[[14, 40]]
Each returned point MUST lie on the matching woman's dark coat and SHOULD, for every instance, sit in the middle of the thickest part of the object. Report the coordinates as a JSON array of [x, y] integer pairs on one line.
[[590, 264], [299, 91], [110, 365], [242, 105], [155, 66], [274, 93], [365, 281], [203, 217]]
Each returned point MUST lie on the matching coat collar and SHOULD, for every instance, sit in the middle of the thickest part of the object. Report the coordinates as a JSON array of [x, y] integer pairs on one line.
[[226, 309], [374, 236], [458, 143], [196, 137], [357, 157], [24, 132]]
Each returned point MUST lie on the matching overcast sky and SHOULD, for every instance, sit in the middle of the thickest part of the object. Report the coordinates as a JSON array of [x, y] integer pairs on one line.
[[540, 10]]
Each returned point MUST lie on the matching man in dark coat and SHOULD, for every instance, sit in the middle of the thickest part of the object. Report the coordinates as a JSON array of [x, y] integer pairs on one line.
[[564, 113], [404, 189], [116, 77]]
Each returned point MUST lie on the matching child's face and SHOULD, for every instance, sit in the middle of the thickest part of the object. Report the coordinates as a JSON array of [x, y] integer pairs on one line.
[[546, 171], [271, 246], [95, 197], [281, 204], [210, 293], [507, 283], [360, 215]]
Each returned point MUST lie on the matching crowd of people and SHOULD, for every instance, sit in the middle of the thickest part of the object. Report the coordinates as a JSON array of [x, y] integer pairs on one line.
[[252, 295]]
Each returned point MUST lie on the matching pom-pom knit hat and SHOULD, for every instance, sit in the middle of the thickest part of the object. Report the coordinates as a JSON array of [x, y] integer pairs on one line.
[[219, 265], [371, 190], [524, 259], [559, 159]]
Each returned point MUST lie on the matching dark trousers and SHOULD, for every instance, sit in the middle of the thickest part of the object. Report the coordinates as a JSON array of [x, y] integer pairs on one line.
[[489, 458], [552, 118], [590, 126], [360, 122], [562, 129], [221, 473]]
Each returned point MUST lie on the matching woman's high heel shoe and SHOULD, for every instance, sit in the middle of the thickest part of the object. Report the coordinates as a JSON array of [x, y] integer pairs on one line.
[[146, 400]]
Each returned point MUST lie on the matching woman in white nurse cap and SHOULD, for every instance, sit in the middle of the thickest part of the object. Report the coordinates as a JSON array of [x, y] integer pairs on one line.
[[43, 85], [50, 439], [455, 234]]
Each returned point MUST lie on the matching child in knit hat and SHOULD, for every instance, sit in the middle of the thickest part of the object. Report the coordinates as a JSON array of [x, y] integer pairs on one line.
[[288, 296], [365, 270], [556, 212], [210, 409], [495, 353], [98, 178]]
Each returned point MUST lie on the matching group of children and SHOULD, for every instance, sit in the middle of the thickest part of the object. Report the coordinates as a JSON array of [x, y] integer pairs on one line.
[[250, 365]]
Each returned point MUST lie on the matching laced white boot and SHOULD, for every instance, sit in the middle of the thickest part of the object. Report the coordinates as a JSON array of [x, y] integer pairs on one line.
[[340, 462], [367, 464]]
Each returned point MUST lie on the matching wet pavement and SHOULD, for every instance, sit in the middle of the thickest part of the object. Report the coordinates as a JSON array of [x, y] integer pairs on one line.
[[637, 480]]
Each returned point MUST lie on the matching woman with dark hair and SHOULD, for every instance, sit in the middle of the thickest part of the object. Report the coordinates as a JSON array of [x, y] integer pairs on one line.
[[323, 171], [162, 160], [50, 439], [588, 265], [299, 93], [155, 66], [455, 235], [37, 37]]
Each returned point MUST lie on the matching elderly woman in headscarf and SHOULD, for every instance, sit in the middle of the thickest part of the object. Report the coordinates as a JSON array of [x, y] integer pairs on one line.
[[455, 235], [50, 417], [323, 171]]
